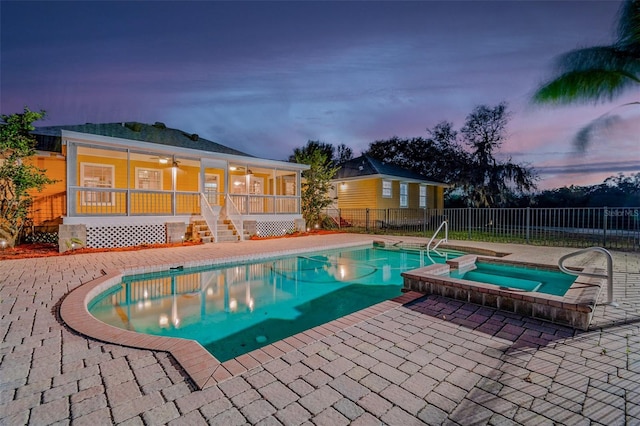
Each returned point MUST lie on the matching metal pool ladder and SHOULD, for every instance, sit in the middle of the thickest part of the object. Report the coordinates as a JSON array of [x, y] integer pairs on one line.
[[608, 276], [445, 239]]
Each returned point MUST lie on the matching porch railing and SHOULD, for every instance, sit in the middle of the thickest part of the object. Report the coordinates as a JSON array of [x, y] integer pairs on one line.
[[266, 204], [84, 201], [609, 227]]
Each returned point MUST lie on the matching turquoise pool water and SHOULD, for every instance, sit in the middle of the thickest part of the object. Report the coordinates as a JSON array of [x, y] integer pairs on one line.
[[518, 277], [235, 309]]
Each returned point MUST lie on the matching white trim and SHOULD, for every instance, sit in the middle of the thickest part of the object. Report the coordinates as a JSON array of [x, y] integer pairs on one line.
[[137, 183], [390, 195], [421, 197], [99, 221], [169, 150], [404, 185], [391, 177], [86, 194]]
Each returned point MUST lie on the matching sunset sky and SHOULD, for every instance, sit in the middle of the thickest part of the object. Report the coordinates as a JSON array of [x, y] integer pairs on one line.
[[265, 77]]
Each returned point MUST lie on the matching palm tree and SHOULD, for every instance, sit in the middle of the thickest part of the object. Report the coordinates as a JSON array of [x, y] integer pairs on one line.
[[598, 74]]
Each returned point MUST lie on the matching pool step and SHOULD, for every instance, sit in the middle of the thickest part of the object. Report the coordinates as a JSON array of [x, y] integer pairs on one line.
[[508, 283]]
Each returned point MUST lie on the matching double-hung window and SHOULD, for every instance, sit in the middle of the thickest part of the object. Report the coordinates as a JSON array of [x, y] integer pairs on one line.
[[404, 194], [386, 189], [148, 178], [423, 196], [97, 176]]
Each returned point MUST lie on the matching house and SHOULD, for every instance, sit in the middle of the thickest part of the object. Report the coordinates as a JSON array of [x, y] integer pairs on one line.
[[391, 195], [127, 184]]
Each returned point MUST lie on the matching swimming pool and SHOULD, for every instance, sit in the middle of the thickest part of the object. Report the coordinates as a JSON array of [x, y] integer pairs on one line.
[[235, 309]]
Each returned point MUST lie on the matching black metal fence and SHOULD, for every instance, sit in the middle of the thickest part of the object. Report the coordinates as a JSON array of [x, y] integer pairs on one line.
[[610, 227]]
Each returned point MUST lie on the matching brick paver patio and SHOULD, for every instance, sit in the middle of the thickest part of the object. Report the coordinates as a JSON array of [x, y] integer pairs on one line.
[[432, 361]]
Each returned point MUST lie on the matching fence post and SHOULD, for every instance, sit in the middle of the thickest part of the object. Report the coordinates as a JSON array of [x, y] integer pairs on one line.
[[604, 226], [424, 220], [366, 220], [528, 222], [469, 222]]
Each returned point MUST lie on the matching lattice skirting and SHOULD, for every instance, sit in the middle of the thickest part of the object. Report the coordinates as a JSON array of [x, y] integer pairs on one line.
[[123, 236], [275, 228]]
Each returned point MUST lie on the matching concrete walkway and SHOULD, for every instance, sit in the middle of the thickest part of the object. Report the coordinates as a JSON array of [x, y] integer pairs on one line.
[[434, 361]]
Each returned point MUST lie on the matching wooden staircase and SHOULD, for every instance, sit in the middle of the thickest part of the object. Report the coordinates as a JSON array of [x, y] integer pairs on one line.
[[199, 231]]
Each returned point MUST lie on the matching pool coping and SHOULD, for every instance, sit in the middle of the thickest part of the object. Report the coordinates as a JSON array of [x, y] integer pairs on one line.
[[575, 309], [199, 364]]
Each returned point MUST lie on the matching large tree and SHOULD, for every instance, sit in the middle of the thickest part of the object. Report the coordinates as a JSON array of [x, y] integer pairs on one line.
[[316, 182], [487, 181], [439, 157], [18, 177], [466, 159], [599, 73]]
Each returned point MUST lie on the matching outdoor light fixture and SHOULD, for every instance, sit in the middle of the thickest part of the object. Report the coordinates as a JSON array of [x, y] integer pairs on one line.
[[163, 160], [3, 244]]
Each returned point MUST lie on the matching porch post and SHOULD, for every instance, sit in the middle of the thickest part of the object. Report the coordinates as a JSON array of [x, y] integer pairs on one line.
[[174, 172], [72, 173], [128, 182]]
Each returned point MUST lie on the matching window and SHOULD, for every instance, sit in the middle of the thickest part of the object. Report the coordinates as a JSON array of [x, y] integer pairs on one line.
[[423, 196], [97, 176], [211, 183], [148, 178], [404, 194], [386, 189], [211, 188], [238, 184]]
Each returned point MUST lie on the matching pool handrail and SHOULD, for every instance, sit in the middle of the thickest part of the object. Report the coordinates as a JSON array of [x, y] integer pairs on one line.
[[445, 239], [608, 276]]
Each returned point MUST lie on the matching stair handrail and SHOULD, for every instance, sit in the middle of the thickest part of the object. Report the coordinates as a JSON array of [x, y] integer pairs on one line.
[[608, 276], [445, 239], [234, 216], [209, 216]]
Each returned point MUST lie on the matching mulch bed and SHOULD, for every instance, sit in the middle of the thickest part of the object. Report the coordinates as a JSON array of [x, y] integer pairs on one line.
[[28, 251], [297, 234]]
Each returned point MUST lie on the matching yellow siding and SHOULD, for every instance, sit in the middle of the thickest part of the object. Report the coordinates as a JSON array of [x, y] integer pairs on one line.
[[359, 194], [367, 193], [55, 169], [50, 203]]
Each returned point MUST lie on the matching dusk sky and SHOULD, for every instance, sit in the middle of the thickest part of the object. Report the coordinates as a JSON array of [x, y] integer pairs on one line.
[[265, 77]]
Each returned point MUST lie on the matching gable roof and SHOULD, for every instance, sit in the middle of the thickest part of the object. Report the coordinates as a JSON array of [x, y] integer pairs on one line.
[[49, 138], [366, 166]]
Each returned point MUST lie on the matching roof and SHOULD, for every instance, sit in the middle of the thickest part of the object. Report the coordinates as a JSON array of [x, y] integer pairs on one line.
[[49, 137], [366, 166]]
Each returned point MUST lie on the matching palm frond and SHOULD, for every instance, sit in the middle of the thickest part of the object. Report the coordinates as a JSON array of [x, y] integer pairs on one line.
[[629, 26], [610, 58], [585, 135], [593, 85]]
